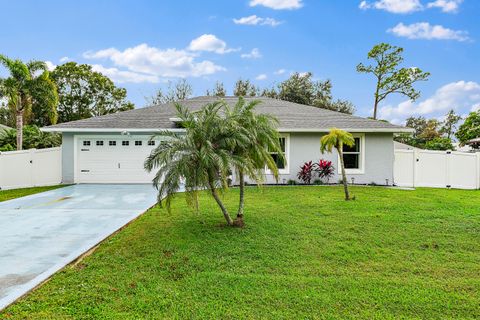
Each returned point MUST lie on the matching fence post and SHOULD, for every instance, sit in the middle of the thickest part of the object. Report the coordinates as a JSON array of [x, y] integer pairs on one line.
[[447, 168], [415, 157]]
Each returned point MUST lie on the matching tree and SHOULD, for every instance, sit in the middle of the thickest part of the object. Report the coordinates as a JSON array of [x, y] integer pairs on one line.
[[450, 123], [390, 78], [260, 139], [336, 138], [244, 88], [218, 91], [181, 90], [32, 138], [439, 143], [201, 156], [29, 84], [85, 93], [301, 88], [470, 129]]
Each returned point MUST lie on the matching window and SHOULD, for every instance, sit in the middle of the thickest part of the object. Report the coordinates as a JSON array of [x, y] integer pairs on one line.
[[99, 143], [86, 143], [125, 143], [353, 157], [151, 143], [112, 143], [281, 162], [138, 143]]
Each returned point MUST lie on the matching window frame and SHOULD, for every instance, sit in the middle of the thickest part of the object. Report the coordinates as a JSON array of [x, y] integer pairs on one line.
[[151, 143], [99, 143], [86, 143], [112, 143], [125, 143], [138, 143], [361, 158], [285, 170]]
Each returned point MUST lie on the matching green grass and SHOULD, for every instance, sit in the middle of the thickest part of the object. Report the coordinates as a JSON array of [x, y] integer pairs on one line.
[[17, 193], [304, 254]]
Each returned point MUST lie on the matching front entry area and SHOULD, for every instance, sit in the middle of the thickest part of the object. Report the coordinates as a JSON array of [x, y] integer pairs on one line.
[[113, 159]]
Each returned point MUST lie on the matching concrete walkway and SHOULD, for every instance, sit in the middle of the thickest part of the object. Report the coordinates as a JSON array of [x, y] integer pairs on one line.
[[41, 233]]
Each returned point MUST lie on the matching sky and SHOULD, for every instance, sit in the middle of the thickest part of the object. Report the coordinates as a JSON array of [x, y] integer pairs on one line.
[[141, 45]]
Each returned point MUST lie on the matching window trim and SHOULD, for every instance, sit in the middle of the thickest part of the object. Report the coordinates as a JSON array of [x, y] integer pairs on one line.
[[285, 170], [361, 169]]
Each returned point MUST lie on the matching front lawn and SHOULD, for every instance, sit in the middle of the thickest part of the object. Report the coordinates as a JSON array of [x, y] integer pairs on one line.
[[304, 254], [17, 193]]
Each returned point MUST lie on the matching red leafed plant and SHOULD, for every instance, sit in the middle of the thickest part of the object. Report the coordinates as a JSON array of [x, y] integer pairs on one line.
[[306, 172], [324, 169]]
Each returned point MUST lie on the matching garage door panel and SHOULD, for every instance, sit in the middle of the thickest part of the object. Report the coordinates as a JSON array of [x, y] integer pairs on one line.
[[109, 163]]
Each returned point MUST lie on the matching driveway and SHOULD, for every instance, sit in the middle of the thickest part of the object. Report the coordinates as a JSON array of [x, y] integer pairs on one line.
[[42, 233]]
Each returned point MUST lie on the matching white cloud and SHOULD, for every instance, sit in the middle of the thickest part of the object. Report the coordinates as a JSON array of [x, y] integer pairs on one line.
[[120, 76], [393, 6], [278, 4], [475, 108], [280, 71], [448, 6], [254, 20], [210, 43], [262, 76], [254, 54], [64, 59], [157, 62], [424, 30], [462, 96], [50, 65]]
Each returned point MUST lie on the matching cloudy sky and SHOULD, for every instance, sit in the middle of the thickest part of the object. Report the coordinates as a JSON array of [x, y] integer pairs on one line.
[[143, 44]]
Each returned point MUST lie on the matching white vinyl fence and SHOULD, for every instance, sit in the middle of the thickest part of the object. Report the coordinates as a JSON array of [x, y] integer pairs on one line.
[[437, 169], [30, 168]]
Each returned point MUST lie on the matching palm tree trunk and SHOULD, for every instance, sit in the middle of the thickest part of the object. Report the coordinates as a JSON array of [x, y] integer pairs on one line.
[[215, 195], [344, 175], [19, 130], [242, 194]]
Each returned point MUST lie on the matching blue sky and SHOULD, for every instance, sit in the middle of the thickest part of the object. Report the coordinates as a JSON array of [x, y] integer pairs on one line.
[[143, 44]]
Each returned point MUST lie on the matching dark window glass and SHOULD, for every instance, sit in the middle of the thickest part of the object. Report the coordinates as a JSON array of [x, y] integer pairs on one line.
[[125, 143], [151, 143], [277, 158], [138, 143], [99, 143], [354, 148], [351, 161], [112, 143], [86, 143]]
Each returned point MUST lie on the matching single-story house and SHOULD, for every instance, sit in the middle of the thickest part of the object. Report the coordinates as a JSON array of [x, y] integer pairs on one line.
[[112, 148]]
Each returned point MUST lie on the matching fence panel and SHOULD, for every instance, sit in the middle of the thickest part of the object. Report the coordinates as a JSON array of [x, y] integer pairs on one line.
[[30, 168], [437, 169]]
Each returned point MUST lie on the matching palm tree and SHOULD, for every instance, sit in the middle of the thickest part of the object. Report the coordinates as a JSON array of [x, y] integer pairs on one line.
[[261, 138], [336, 138], [201, 157], [27, 84]]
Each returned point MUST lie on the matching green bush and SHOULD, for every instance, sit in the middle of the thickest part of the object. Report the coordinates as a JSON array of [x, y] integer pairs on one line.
[[32, 138], [291, 182], [439, 144]]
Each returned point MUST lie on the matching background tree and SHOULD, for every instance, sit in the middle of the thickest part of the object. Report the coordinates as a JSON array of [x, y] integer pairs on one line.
[[178, 91], [244, 88], [28, 85], [218, 91], [84, 93], [32, 138], [470, 129], [336, 138], [439, 143], [390, 78], [450, 124]]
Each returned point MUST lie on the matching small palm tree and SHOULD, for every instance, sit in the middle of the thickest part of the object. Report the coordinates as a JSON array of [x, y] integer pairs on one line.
[[200, 158], [262, 138], [27, 83], [336, 138]]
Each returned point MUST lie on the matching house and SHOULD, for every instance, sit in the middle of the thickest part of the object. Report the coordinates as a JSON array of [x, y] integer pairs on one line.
[[112, 148]]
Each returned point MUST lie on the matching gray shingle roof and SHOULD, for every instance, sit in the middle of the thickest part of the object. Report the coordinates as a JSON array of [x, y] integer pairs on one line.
[[291, 117]]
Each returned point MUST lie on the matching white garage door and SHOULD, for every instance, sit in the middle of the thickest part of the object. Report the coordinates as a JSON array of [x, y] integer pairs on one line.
[[113, 159]]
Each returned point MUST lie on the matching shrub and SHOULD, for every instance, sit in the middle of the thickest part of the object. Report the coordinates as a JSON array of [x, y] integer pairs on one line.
[[291, 182], [306, 172], [317, 182], [32, 138], [324, 169], [439, 144]]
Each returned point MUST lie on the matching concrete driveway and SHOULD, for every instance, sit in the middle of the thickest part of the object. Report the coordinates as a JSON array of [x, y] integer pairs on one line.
[[42, 233]]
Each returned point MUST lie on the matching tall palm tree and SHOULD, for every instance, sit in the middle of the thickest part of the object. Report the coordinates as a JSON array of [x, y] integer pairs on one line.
[[28, 83], [336, 138], [201, 157], [262, 139]]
